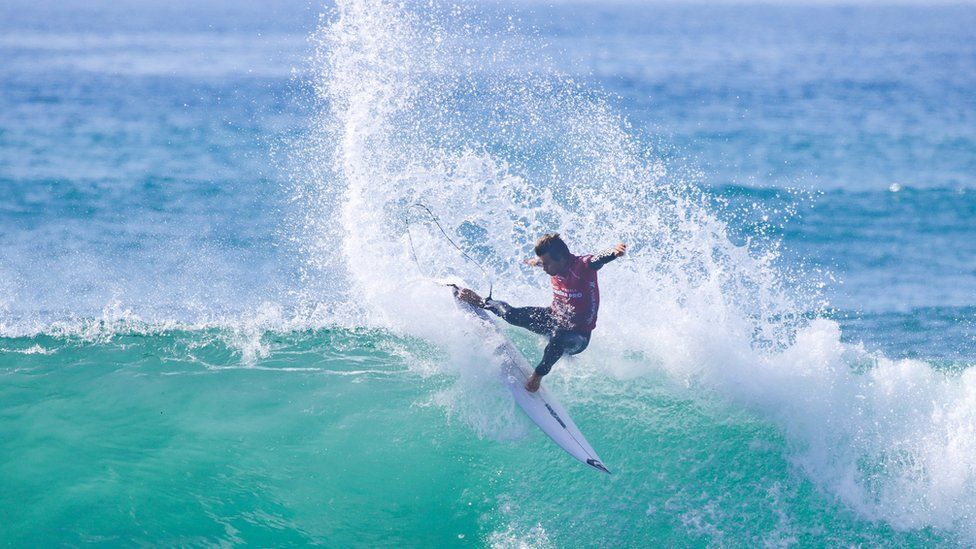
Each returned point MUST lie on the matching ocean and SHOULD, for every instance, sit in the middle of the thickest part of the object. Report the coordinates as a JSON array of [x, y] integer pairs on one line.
[[214, 329]]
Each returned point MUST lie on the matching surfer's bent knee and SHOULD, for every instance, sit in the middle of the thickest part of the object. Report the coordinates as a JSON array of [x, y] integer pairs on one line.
[[562, 342]]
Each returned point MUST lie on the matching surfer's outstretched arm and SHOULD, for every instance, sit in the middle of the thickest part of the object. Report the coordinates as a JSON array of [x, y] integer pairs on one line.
[[597, 261]]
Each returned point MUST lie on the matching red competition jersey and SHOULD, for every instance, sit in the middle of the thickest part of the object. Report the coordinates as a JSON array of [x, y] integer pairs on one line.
[[576, 296]]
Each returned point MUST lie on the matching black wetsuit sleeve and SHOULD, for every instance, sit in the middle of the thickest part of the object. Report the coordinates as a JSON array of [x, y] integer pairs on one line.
[[597, 261]]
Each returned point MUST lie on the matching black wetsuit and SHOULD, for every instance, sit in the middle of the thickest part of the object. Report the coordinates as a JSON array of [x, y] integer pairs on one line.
[[543, 321]]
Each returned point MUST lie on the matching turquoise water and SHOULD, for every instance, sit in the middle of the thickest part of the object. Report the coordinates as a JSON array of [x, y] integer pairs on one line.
[[332, 439], [212, 332]]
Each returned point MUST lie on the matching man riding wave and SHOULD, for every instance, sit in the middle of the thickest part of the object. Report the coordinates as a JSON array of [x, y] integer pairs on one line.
[[571, 318]]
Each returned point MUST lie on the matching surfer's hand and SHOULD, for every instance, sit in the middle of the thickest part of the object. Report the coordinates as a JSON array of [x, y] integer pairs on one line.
[[620, 249], [531, 262], [468, 296]]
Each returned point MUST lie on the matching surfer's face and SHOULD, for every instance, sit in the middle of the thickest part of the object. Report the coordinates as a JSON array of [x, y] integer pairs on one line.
[[553, 267]]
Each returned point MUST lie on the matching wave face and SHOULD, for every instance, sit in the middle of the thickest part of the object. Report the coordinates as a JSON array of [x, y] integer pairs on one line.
[[223, 361]]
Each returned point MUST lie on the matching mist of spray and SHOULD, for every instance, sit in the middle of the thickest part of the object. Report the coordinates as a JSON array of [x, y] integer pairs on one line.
[[439, 107]]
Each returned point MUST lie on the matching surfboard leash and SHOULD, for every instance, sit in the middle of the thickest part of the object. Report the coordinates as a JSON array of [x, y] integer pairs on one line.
[[437, 223]]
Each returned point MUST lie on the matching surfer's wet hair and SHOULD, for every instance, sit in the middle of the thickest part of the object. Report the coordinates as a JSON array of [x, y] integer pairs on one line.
[[552, 244]]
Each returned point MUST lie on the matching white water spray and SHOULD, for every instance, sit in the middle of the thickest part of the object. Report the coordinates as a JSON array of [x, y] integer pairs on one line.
[[426, 108]]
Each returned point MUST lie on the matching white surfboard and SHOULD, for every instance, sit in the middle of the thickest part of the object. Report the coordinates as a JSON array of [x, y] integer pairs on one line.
[[541, 407]]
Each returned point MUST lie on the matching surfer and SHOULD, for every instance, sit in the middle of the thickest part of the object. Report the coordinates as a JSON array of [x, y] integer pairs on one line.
[[571, 318]]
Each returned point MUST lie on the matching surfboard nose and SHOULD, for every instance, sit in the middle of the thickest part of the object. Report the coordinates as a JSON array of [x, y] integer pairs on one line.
[[597, 465]]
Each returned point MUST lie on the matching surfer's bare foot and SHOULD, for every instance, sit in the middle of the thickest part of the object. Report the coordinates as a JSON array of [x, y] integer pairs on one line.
[[469, 297], [532, 385]]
